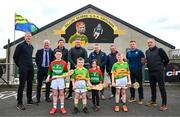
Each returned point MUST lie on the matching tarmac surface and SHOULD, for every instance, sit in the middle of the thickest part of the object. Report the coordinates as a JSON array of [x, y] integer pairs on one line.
[[8, 104]]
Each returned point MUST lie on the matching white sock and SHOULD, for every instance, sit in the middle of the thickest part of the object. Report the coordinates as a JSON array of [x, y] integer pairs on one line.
[[54, 105], [62, 105]]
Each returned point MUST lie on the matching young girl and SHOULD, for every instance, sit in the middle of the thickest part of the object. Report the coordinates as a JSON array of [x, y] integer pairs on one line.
[[120, 80], [57, 68], [96, 78]]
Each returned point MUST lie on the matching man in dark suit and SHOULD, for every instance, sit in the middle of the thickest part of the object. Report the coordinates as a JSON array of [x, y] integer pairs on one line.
[[23, 59], [43, 59]]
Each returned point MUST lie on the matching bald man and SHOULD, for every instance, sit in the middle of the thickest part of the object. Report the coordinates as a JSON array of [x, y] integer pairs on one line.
[[157, 60], [23, 59]]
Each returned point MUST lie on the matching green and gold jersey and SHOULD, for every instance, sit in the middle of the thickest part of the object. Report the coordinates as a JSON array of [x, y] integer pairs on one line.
[[80, 74], [84, 39], [120, 69]]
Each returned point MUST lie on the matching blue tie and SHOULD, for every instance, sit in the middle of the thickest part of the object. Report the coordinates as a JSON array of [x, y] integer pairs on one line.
[[46, 58]]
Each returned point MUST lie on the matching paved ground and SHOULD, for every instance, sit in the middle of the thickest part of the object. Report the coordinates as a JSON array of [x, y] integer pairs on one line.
[[8, 105]]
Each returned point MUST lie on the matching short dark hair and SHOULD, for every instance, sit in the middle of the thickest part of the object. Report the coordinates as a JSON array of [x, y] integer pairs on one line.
[[57, 50], [61, 40], [132, 41]]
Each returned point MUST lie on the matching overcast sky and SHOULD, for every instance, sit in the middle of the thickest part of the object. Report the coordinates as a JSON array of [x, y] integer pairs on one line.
[[160, 18]]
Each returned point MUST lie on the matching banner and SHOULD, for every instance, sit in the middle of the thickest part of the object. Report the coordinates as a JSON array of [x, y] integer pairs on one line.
[[172, 72]]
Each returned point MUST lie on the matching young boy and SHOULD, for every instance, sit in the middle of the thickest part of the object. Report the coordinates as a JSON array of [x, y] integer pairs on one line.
[[120, 80], [96, 78], [57, 67], [80, 79]]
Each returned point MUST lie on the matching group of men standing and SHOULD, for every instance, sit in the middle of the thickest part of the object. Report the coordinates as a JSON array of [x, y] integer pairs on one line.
[[156, 60]]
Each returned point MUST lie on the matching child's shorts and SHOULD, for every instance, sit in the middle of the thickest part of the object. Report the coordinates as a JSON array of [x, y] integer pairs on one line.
[[58, 83], [121, 83], [80, 86]]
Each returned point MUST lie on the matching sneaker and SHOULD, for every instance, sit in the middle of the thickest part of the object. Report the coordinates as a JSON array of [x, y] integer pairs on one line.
[[63, 110], [152, 103], [85, 110], [95, 109], [98, 108], [48, 100], [163, 108], [53, 111], [116, 108], [38, 101], [103, 97], [75, 110], [30, 102], [140, 102], [111, 97], [132, 99], [21, 107], [69, 97], [124, 108]]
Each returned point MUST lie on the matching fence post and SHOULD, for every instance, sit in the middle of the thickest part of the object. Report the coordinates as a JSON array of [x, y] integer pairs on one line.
[[8, 60]]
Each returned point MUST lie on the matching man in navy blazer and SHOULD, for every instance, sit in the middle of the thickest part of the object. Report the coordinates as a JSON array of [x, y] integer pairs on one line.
[[43, 59]]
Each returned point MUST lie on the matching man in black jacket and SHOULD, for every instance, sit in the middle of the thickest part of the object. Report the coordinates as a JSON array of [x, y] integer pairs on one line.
[[111, 59], [157, 59], [101, 58], [74, 53], [23, 59], [63, 49], [43, 59]]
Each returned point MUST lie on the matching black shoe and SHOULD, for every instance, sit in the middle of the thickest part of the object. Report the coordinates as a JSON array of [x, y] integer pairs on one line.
[[85, 110], [38, 101], [48, 100], [20, 107], [75, 110], [30, 102]]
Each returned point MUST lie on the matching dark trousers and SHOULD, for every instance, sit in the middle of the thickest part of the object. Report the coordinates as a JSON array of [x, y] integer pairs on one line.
[[102, 91], [157, 77], [136, 76], [70, 89], [95, 97], [70, 85], [113, 89], [41, 76], [25, 74]]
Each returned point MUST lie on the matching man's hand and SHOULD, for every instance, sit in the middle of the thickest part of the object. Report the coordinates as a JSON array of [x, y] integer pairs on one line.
[[70, 72], [113, 84], [129, 84], [47, 80]]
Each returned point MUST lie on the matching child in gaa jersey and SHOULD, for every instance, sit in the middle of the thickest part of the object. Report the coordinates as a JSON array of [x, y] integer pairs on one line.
[[80, 79], [57, 68], [120, 79], [96, 78]]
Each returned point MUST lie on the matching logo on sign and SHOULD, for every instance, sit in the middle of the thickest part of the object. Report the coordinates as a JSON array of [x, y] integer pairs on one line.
[[173, 73]]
